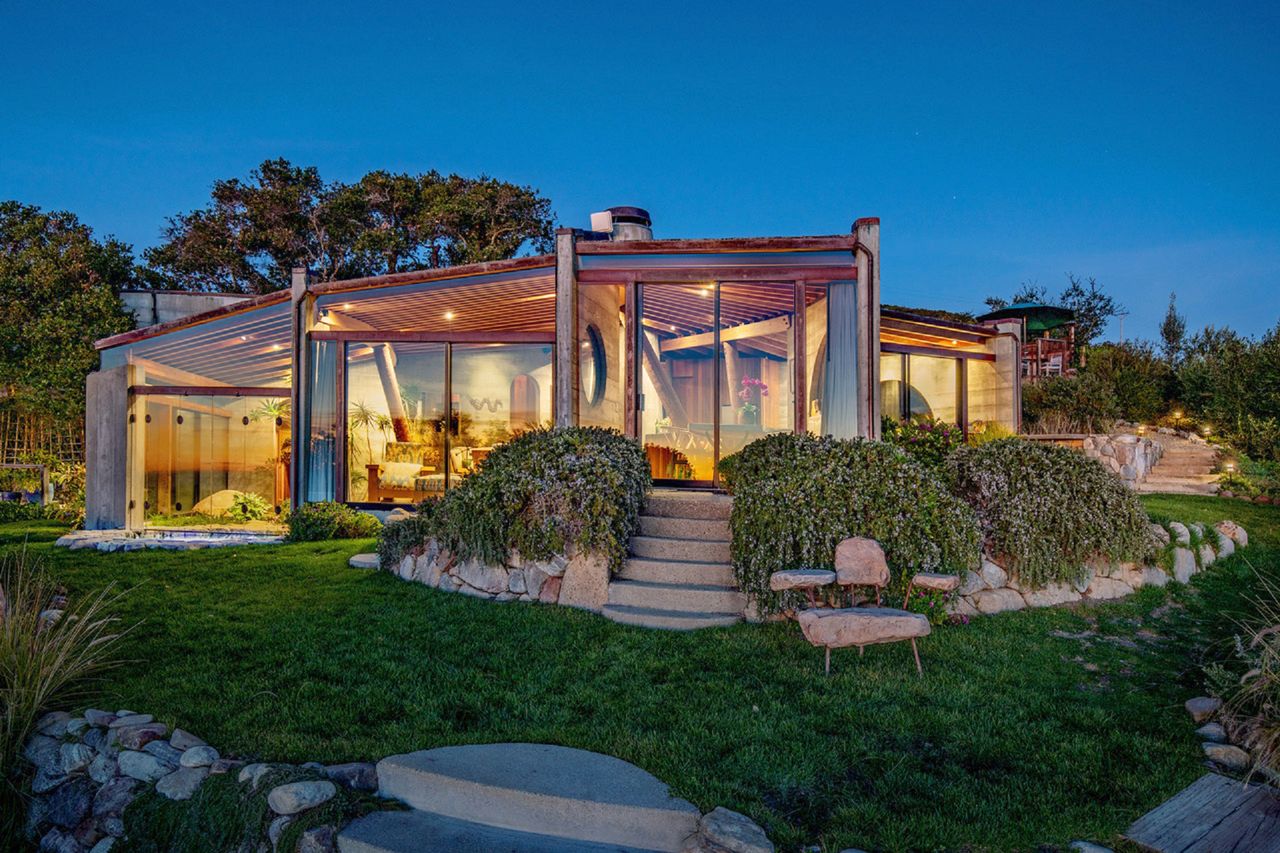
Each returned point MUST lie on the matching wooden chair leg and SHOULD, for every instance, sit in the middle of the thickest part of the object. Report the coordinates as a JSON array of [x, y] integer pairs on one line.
[[828, 663], [916, 652], [862, 650]]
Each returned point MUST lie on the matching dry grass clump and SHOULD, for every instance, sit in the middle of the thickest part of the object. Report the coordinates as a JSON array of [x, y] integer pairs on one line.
[[1253, 702]]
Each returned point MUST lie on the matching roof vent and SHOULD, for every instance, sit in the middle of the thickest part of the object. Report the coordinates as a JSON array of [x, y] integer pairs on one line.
[[623, 223]]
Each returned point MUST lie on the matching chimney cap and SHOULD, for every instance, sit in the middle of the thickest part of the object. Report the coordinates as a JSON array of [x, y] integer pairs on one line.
[[636, 215]]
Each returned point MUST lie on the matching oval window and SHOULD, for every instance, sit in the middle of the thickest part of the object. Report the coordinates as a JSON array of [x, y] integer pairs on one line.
[[593, 368]]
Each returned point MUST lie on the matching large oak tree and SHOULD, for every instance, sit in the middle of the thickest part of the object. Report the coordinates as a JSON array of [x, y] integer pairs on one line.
[[254, 231]]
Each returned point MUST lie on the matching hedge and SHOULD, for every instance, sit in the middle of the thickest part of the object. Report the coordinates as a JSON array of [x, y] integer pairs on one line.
[[538, 494], [797, 496], [1047, 510], [322, 520]]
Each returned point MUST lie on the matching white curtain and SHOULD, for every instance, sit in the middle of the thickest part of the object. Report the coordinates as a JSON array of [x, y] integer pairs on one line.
[[840, 386], [322, 421]]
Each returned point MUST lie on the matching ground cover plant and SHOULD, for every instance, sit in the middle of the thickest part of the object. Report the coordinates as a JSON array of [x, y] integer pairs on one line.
[[322, 520], [539, 494], [1047, 510], [797, 496], [1029, 728]]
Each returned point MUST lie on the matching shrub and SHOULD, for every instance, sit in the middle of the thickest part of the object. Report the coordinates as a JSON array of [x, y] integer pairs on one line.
[[797, 496], [406, 536], [316, 522], [1069, 404], [43, 663], [19, 511], [545, 491], [247, 506], [1047, 509], [984, 432], [924, 438], [1139, 380]]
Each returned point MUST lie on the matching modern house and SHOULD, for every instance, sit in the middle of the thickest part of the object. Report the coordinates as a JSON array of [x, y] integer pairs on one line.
[[388, 390]]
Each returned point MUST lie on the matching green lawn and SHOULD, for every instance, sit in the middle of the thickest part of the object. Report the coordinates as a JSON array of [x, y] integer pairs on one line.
[[1014, 737]]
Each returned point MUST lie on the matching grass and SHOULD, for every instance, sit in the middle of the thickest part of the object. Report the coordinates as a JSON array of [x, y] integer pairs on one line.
[[1028, 728]]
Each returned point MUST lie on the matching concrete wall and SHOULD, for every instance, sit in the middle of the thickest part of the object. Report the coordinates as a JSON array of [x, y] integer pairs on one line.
[[150, 307]]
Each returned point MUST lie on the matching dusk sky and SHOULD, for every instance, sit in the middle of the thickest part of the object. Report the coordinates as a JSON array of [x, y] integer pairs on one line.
[[998, 143]]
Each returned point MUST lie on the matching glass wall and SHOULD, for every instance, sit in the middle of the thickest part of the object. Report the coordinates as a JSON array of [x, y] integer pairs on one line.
[[203, 455], [321, 425], [893, 374], [405, 443], [602, 356], [992, 390], [757, 353], [933, 387]]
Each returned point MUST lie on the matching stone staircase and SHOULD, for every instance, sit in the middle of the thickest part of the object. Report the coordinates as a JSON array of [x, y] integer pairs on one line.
[[520, 798], [1185, 468], [678, 574]]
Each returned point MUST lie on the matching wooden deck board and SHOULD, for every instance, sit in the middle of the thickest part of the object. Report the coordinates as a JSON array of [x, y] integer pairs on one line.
[[1214, 814]]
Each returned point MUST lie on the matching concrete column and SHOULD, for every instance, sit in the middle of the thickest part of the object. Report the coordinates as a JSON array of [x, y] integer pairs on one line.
[[566, 390], [107, 449], [867, 258]]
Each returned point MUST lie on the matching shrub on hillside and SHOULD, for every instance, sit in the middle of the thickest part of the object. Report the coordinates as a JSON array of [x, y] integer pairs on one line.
[[540, 494], [1047, 510], [924, 438], [1140, 381], [316, 522], [797, 496], [1085, 403]]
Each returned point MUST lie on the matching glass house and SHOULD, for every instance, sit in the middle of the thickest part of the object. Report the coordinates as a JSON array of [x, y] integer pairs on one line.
[[394, 389]]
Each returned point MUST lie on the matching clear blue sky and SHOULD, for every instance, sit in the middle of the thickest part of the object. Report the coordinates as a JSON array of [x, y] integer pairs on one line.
[[1136, 142]]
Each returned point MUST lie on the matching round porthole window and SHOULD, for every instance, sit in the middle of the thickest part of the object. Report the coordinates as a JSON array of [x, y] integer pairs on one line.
[[593, 370]]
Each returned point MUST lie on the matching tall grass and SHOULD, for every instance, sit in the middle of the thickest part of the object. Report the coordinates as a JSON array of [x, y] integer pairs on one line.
[[1253, 703], [44, 662]]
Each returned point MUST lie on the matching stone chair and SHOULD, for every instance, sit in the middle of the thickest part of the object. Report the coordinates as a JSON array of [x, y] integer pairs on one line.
[[861, 562]]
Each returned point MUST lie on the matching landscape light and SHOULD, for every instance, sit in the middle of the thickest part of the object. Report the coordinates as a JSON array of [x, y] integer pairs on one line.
[[1230, 466], [1177, 415]]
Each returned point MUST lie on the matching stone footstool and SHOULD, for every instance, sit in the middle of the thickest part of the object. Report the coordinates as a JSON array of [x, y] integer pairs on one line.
[[861, 627], [805, 579]]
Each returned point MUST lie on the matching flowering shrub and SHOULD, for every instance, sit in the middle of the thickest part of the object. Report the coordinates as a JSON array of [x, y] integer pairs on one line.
[[316, 522], [752, 390], [1047, 510], [797, 496], [927, 439], [539, 494]]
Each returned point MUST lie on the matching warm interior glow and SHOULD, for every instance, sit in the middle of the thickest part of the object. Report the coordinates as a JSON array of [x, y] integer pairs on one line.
[[448, 315]]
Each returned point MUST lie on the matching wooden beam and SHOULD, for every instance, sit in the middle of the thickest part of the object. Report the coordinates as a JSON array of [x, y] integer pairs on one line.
[[208, 391], [631, 367], [829, 243], [937, 352], [711, 274], [763, 328], [565, 398], [667, 394]]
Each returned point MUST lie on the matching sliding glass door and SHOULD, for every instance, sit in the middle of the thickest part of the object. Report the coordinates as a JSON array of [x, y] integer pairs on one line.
[[716, 372]]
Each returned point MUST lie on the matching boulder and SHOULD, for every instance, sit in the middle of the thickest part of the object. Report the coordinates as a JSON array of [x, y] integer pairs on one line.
[[1226, 545], [1103, 589], [46, 780], [1233, 758], [276, 829], [142, 766], [225, 765], [127, 720], [994, 576], [550, 592], [800, 579], [860, 626], [1050, 595], [860, 562], [184, 740], [295, 797], [99, 718], [44, 752], [998, 600], [136, 737], [963, 606], [1154, 576], [198, 756], [163, 751], [935, 582], [482, 576], [1202, 708], [253, 774], [972, 583], [1159, 534], [53, 724], [358, 775], [318, 839], [1184, 565], [1207, 556], [586, 582], [515, 582], [1212, 732], [1181, 534], [1234, 532], [182, 783], [102, 769], [75, 757], [114, 796], [363, 561], [59, 841], [725, 831], [69, 803]]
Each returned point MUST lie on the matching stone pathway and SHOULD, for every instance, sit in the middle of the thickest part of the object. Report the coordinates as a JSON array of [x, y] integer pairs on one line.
[[1185, 468]]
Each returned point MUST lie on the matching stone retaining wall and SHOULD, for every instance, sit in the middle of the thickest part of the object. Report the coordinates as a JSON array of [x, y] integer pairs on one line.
[[1128, 456], [574, 579], [994, 589]]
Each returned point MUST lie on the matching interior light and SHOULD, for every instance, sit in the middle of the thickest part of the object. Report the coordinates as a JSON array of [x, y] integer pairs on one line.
[[448, 315], [706, 291], [244, 337], [346, 306], [276, 347]]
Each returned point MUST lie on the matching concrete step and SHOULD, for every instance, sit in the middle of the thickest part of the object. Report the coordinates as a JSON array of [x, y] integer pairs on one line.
[[676, 596], [416, 831], [689, 550], [676, 571], [669, 620], [707, 529], [681, 504], [540, 789]]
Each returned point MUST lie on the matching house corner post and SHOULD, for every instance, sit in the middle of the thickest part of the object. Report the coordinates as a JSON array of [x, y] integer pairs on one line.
[[302, 302], [113, 455], [566, 363], [866, 232]]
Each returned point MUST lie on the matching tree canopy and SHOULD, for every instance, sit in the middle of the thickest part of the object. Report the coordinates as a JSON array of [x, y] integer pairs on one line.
[[1092, 305], [254, 231], [59, 292]]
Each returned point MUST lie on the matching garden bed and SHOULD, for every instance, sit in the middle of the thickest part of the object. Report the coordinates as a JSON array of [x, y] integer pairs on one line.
[[1024, 724]]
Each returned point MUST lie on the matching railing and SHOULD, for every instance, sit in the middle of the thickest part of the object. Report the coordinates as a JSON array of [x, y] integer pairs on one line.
[[1047, 357]]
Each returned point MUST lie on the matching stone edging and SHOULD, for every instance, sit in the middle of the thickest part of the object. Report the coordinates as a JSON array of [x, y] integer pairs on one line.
[[994, 589]]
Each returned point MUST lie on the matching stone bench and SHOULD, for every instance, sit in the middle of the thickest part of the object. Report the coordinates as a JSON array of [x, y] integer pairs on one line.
[[933, 582], [861, 627]]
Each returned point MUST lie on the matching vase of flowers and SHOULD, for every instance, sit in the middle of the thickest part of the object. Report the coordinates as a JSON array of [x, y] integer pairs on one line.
[[749, 399]]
